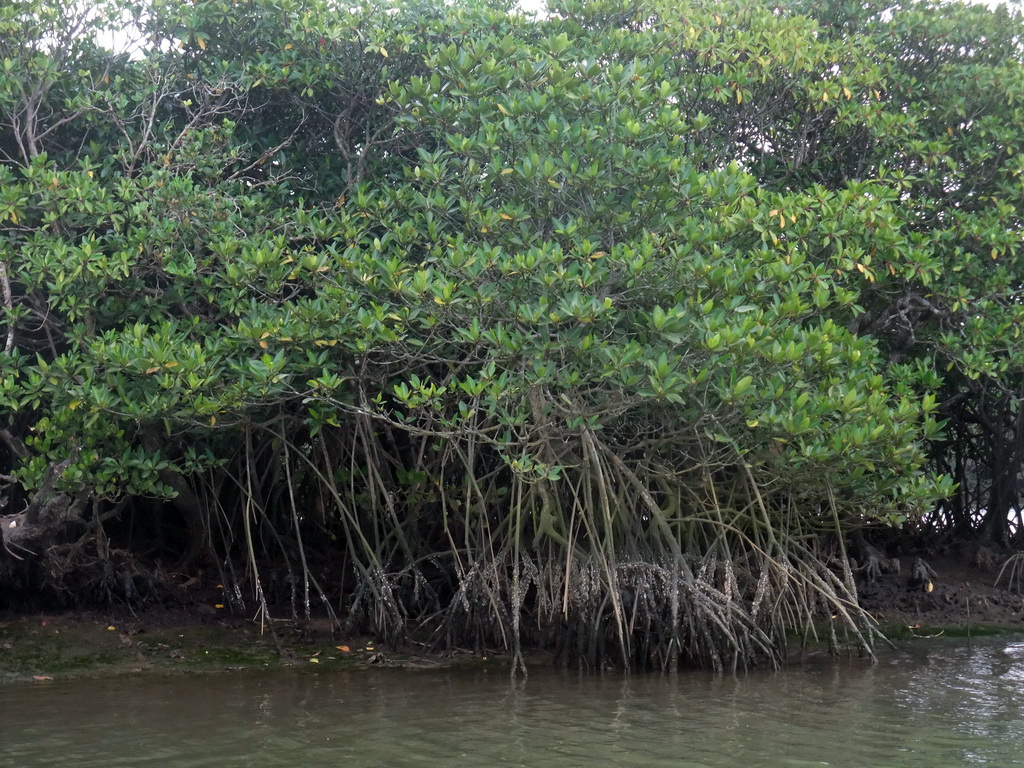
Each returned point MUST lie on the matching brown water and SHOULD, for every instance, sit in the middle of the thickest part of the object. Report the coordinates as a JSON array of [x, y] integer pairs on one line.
[[931, 707]]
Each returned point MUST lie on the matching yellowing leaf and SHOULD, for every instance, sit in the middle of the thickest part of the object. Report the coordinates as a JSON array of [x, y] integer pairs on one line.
[[739, 96], [503, 110], [554, 184], [263, 345], [289, 47], [14, 217], [505, 216], [171, 364], [73, 405], [383, 51], [994, 254], [752, 423], [506, 172], [847, 93], [201, 42], [860, 268], [824, 97], [154, 369], [213, 421]]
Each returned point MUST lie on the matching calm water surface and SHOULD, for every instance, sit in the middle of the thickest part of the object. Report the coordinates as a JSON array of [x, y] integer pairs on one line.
[[930, 707]]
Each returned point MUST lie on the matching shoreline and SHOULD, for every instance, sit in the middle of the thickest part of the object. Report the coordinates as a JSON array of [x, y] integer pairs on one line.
[[200, 635], [41, 647]]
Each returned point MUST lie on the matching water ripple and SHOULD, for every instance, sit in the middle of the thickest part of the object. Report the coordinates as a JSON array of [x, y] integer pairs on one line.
[[933, 707]]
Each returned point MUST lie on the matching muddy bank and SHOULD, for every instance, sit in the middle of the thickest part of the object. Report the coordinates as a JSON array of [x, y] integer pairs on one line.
[[201, 637], [963, 591], [75, 644]]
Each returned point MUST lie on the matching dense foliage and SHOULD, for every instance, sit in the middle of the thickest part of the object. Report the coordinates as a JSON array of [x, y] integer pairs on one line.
[[597, 328]]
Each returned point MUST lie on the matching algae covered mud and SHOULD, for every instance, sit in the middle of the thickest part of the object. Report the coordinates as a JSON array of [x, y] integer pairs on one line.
[[43, 648], [930, 705]]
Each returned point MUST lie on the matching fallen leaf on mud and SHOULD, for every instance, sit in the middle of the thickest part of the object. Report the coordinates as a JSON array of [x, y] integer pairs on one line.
[[343, 648], [314, 661], [41, 677], [111, 628]]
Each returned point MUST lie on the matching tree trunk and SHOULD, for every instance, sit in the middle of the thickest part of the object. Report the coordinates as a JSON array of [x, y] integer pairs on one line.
[[185, 502]]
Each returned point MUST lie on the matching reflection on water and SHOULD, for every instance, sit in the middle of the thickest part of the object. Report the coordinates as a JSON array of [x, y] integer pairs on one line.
[[936, 706]]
